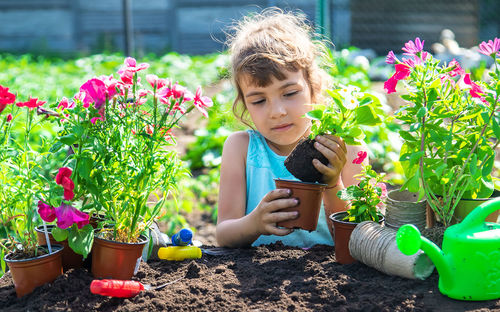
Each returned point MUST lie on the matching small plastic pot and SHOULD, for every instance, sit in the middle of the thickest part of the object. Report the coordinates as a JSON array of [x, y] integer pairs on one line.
[[116, 260], [342, 234], [70, 259], [309, 196], [33, 272]]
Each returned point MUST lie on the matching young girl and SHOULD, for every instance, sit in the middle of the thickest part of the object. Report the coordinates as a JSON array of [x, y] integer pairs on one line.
[[275, 73]]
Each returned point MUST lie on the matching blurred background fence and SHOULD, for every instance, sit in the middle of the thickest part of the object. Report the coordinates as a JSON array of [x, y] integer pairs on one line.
[[196, 26]]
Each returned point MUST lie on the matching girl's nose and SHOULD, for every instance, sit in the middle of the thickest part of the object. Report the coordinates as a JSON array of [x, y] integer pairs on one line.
[[277, 109]]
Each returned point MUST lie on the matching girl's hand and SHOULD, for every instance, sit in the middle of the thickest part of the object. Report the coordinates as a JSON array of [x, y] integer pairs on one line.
[[266, 215], [334, 149]]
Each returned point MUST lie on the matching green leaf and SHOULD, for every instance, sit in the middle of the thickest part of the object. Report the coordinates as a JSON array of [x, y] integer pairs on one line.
[[473, 165], [412, 184], [415, 157], [56, 147], [488, 166], [415, 126], [85, 167], [69, 139], [59, 234], [421, 112], [365, 115], [496, 127], [80, 240], [315, 114]]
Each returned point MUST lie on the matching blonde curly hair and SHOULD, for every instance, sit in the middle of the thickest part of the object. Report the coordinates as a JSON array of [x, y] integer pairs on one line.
[[264, 45]]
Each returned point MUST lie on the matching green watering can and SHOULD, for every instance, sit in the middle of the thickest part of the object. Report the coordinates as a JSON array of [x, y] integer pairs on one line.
[[469, 264]]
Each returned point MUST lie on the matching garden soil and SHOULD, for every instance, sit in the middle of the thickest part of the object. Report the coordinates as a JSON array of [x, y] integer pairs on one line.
[[271, 278]]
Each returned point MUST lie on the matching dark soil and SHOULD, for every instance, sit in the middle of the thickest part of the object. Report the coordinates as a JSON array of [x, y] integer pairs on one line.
[[299, 162], [272, 278]]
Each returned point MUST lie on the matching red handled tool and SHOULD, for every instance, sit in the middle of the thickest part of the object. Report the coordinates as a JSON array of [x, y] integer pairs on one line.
[[122, 289]]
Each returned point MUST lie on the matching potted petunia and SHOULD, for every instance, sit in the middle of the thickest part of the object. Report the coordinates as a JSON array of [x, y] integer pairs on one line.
[[344, 115], [364, 201], [72, 228], [124, 163], [31, 265], [452, 127]]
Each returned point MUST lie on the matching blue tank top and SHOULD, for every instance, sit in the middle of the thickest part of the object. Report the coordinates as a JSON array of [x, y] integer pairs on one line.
[[262, 167]]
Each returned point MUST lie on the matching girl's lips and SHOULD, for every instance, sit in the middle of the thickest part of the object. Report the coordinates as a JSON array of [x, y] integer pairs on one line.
[[283, 127]]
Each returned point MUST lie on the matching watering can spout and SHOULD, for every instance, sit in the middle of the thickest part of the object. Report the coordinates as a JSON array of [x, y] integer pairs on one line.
[[410, 241]]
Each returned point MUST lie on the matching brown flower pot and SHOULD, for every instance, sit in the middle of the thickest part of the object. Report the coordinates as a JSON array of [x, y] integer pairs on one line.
[[70, 259], [33, 272], [309, 196], [342, 233], [465, 206], [116, 260]]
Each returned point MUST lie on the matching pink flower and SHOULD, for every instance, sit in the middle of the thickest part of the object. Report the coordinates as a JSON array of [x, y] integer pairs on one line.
[[402, 72], [31, 103], [67, 215], [80, 96], [110, 83], [412, 48], [391, 58], [127, 77], [6, 97], [475, 90], [490, 48], [361, 157], [64, 172], [46, 212], [131, 65], [457, 69], [201, 102], [159, 82], [101, 116], [65, 104], [8, 118], [179, 91], [95, 92]]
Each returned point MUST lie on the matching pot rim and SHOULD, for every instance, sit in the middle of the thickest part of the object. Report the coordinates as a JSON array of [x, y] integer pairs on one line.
[[344, 213], [300, 182], [58, 246], [142, 241]]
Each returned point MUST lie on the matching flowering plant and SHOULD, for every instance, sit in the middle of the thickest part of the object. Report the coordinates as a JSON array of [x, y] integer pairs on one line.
[[366, 197], [23, 181], [348, 110], [120, 134], [452, 126]]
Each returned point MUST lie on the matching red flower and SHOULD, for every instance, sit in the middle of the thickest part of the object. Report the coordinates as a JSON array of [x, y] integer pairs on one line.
[[6, 97], [8, 118], [63, 179], [31, 103], [361, 157]]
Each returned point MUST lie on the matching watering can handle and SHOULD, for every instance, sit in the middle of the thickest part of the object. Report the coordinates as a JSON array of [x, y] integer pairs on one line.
[[479, 214]]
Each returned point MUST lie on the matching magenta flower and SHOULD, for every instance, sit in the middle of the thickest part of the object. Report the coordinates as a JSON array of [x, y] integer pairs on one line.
[[402, 72], [412, 48], [202, 101], [65, 104], [391, 58], [6, 97], [67, 215], [95, 92], [31, 103], [110, 83], [490, 48], [127, 77], [63, 179], [131, 65], [361, 157], [46, 212], [475, 89]]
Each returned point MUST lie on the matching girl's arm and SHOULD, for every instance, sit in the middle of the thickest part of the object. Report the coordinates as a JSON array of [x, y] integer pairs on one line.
[[234, 228]]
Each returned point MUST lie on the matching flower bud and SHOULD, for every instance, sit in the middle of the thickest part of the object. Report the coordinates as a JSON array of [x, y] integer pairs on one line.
[[8, 118]]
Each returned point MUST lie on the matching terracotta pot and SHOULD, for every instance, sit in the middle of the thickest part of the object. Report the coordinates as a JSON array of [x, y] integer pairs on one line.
[[70, 259], [309, 196], [342, 233], [33, 272], [465, 206], [116, 260]]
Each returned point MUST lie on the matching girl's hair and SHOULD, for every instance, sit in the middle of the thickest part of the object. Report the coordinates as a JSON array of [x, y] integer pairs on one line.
[[266, 44]]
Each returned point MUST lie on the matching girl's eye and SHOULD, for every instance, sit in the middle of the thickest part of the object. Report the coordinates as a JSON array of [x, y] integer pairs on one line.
[[291, 93], [258, 102]]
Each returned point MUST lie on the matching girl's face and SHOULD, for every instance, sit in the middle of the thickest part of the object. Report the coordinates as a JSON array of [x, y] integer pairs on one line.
[[277, 110]]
